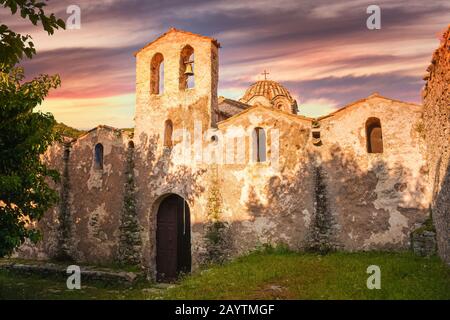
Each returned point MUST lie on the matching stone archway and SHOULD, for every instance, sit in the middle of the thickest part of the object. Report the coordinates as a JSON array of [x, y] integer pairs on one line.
[[173, 238]]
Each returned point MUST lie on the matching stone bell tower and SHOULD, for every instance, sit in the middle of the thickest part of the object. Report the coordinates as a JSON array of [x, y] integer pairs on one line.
[[176, 85]]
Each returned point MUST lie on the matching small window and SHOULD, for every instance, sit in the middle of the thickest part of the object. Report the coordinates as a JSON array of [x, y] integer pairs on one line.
[[98, 156], [374, 136], [157, 74], [316, 138], [130, 144], [187, 80], [259, 145], [66, 153], [168, 129]]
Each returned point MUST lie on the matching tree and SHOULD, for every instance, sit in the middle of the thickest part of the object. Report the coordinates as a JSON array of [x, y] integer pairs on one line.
[[13, 45], [24, 134], [216, 236]]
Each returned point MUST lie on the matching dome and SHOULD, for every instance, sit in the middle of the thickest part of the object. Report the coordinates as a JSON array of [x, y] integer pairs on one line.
[[270, 93], [266, 88]]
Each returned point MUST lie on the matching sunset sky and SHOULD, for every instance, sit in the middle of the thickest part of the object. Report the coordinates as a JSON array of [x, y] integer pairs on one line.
[[320, 50]]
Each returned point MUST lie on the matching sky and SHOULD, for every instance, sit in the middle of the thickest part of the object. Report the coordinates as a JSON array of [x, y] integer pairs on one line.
[[321, 51]]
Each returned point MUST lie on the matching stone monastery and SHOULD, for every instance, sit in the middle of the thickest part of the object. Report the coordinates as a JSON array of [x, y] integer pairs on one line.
[[204, 177]]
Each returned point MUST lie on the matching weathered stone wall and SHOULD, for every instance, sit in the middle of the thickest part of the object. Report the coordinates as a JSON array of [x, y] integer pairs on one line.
[[271, 202], [377, 198], [423, 243], [96, 195], [436, 100], [94, 200]]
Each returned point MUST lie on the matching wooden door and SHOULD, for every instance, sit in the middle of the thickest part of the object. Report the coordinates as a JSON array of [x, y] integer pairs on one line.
[[173, 241]]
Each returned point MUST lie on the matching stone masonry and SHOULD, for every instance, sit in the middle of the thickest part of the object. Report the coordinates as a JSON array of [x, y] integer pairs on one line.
[[436, 100]]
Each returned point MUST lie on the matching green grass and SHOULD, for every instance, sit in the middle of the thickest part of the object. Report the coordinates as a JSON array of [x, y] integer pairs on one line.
[[267, 275]]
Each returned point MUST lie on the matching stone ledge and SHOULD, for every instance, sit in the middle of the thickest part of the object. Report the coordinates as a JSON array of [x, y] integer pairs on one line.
[[87, 273]]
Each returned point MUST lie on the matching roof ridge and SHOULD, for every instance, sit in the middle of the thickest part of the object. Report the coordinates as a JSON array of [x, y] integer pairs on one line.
[[236, 102], [173, 29], [287, 114], [371, 96]]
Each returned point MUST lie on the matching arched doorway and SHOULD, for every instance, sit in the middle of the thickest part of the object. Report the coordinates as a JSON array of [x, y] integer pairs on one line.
[[173, 238]]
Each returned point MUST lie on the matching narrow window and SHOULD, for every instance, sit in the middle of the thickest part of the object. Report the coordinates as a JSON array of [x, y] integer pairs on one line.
[[187, 68], [168, 128], [66, 153], [374, 136], [157, 74], [259, 145], [130, 144], [98, 156]]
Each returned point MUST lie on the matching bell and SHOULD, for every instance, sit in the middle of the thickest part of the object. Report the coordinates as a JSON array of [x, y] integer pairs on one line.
[[189, 72]]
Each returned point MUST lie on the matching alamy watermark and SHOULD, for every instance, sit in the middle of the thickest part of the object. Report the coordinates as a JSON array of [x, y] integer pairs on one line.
[[235, 145], [374, 280], [73, 22], [74, 280], [374, 20]]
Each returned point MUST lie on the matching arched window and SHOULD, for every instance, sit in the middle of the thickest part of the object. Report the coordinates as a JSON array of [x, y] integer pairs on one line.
[[157, 74], [168, 129], [131, 144], [187, 68], [259, 145], [98, 156], [374, 136]]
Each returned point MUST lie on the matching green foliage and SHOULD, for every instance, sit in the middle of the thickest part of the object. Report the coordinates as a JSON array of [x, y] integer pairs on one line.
[[428, 225], [216, 236], [14, 46], [215, 233], [129, 130], [24, 134], [420, 128], [280, 248], [65, 130], [320, 238], [129, 248], [63, 252]]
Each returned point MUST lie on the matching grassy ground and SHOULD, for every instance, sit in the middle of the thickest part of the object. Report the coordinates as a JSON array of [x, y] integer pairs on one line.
[[266, 275]]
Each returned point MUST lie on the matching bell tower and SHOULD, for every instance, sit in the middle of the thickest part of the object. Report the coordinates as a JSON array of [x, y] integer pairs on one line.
[[176, 83]]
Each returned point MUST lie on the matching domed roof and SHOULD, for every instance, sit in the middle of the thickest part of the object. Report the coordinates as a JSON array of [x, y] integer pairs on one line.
[[268, 89]]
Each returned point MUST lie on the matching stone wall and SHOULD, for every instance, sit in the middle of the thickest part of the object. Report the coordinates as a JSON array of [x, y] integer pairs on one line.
[[436, 99], [271, 202], [377, 198], [92, 204]]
